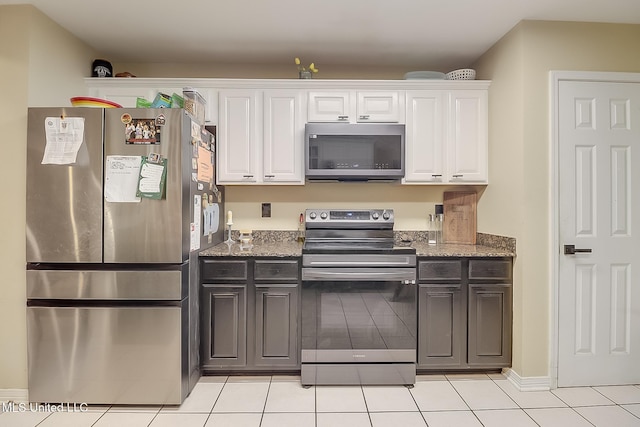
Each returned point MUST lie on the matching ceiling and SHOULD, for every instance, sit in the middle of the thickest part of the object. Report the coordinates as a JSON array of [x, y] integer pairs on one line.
[[419, 34]]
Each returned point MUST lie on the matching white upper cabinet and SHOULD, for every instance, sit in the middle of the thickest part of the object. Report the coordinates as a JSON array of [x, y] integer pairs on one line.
[[380, 106], [238, 148], [446, 137], [424, 137], [331, 106], [260, 137], [375, 106], [283, 136], [467, 142], [261, 122]]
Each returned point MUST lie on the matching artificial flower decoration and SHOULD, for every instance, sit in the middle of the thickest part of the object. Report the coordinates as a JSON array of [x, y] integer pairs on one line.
[[301, 68]]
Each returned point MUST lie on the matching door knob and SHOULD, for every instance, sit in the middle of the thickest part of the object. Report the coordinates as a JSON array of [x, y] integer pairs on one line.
[[571, 249]]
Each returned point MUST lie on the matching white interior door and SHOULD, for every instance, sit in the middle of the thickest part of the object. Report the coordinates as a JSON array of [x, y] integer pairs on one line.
[[599, 210]]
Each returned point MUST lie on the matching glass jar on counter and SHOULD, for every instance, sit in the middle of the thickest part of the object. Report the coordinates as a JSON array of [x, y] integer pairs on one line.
[[246, 239]]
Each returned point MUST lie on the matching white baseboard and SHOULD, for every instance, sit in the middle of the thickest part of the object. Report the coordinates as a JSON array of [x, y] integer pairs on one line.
[[14, 395], [528, 383]]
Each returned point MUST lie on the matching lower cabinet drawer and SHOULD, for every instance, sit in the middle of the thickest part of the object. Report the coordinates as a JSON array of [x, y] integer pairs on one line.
[[276, 269], [490, 269], [439, 270], [215, 271]]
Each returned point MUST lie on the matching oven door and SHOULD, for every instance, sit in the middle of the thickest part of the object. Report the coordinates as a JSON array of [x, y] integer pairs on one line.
[[359, 315]]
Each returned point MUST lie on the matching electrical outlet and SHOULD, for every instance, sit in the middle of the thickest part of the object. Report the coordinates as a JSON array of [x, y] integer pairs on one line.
[[266, 210]]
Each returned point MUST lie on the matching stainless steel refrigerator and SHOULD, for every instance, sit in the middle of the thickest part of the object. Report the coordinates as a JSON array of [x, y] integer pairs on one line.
[[119, 203]]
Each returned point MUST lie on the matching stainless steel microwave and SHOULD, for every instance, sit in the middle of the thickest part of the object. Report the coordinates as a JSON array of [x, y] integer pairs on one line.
[[354, 152]]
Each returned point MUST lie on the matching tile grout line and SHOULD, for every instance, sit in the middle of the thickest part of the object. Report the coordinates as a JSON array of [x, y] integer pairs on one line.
[[513, 400], [416, 403], [616, 403], [266, 398], [366, 406]]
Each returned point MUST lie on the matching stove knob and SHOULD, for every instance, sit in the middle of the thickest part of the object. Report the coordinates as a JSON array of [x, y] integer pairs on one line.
[[375, 215], [312, 215], [385, 215], [323, 215]]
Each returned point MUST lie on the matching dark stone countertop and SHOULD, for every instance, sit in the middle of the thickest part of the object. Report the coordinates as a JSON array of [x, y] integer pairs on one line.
[[258, 249], [458, 250], [294, 249]]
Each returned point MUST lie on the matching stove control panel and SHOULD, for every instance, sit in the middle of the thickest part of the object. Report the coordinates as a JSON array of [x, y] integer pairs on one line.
[[349, 216]]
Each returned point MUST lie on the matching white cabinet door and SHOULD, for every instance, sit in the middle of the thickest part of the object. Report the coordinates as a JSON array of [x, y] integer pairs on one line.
[[383, 106], [283, 136], [468, 138], [380, 106], [424, 137], [333, 106], [238, 150]]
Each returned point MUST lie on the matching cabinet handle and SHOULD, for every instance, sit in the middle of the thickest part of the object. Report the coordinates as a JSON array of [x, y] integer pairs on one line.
[[436, 175], [247, 176], [364, 117], [269, 176], [457, 175], [343, 117]]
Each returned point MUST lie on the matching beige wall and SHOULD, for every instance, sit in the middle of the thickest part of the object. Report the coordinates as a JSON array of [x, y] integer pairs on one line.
[[517, 201], [14, 62], [40, 64], [262, 71]]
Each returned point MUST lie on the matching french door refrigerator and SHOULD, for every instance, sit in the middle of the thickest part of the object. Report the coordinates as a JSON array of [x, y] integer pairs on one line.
[[119, 202]]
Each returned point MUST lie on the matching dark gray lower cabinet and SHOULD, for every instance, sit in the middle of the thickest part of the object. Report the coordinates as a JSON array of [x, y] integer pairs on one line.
[[464, 313], [276, 325], [224, 309], [442, 337], [490, 318], [250, 312]]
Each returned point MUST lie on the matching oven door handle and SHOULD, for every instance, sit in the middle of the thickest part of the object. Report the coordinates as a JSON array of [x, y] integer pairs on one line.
[[362, 274], [402, 263]]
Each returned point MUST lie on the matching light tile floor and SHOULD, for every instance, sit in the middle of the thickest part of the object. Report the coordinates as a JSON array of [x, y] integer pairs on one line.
[[435, 401]]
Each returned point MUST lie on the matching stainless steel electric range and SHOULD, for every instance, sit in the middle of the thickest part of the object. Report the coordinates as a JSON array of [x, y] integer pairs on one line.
[[359, 300]]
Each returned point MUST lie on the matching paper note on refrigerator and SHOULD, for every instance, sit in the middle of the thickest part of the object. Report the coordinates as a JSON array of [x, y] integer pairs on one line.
[[64, 136], [153, 177], [121, 178], [205, 167]]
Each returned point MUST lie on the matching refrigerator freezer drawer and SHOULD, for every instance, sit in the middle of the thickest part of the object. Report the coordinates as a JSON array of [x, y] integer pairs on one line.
[[160, 285], [106, 355]]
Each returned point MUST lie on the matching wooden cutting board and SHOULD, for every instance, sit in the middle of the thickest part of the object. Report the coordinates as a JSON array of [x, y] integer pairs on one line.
[[459, 224]]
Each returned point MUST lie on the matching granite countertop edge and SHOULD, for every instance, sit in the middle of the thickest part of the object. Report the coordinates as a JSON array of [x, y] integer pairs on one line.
[[294, 249]]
